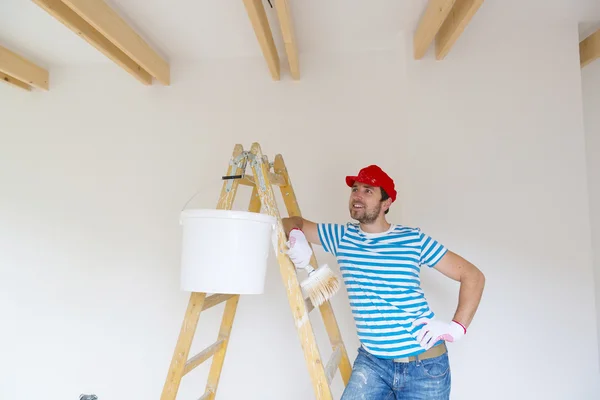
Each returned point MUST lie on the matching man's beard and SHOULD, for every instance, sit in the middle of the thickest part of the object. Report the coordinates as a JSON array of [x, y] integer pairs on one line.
[[365, 216]]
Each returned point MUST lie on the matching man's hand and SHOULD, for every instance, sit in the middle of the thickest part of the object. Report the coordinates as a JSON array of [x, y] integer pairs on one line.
[[299, 249], [434, 330]]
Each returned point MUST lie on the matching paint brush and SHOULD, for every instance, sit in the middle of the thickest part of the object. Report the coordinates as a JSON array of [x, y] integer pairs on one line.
[[320, 285]]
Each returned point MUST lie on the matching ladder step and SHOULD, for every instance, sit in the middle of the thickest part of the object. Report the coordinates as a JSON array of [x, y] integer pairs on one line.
[[275, 179], [202, 356], [215, 299], [206, 395], [333, 363]]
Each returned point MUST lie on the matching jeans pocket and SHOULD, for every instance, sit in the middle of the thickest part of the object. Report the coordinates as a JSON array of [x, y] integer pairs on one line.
[[436, 367]]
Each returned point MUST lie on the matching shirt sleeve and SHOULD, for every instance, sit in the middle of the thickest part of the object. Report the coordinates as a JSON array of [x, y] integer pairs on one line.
[[330, 236], [431, 250]]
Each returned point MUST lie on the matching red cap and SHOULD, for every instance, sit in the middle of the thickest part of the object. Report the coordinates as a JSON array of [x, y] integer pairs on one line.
[[374, 176]]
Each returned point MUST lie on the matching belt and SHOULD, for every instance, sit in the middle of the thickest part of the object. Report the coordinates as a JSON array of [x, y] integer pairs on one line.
[[435, 351]]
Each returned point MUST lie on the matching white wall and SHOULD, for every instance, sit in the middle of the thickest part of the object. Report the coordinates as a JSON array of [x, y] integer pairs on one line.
[[591, 105], [497, 171], [487, 149]]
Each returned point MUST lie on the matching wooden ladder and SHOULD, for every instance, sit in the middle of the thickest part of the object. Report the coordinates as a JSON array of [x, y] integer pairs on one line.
[[263, 197]]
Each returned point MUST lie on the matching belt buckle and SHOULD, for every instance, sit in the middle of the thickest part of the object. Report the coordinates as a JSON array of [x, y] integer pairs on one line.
[[402, 359]]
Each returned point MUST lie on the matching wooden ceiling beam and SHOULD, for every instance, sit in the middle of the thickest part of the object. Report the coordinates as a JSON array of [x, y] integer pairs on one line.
[[262, 30], [14, 82], [287, 30], [430, 24], [589, 48], [21, 72], [104, 29], [71, 20], [459, 17], [106, 21]]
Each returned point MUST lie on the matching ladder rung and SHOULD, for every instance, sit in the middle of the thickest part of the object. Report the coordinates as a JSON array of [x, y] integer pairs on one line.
[[247, 181], [309, 305], [275, 179], [206, 395], [333, 363], [215, 299], [202, 356]]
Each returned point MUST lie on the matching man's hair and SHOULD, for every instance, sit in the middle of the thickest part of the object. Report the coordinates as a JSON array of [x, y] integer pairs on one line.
[[384, 197]]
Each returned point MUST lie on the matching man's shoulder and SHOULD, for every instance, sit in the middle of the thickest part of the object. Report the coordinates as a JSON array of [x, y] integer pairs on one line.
[[402, 232], [345, 225], [406, 229], [354, 228]]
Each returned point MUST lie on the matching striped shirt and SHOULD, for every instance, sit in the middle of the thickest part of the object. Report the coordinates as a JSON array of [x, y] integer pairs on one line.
[[381, 273]]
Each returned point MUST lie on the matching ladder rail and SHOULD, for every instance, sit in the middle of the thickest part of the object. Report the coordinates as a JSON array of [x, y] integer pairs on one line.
[[331, 326], [290, 279], [196, 302], [308, 341], [206, 395], [182, 348], [218, 359], [214, 375]]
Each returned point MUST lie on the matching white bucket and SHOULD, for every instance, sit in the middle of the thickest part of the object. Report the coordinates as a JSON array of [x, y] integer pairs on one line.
[[225, 251]]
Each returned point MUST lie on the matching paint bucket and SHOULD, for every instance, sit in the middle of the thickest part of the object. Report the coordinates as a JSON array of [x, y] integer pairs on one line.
[[225, 251]]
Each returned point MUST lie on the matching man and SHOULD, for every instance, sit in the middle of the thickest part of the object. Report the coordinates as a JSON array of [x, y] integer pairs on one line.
[[403, 353]]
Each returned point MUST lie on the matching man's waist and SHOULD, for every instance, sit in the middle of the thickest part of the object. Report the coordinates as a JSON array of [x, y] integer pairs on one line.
[[433, 352]]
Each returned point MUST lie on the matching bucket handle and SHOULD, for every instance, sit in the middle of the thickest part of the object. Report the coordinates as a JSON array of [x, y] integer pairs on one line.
[[186, 204], [190, 199], [240, 162]]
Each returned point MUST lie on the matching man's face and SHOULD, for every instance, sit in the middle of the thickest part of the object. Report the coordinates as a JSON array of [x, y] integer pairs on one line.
[[365, 203]]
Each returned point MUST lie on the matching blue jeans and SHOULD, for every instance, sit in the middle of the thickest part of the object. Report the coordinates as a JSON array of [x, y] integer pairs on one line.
[[379, 379]]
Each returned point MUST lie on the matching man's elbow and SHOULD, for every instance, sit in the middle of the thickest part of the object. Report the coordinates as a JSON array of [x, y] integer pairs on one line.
[[479, 278], [475, 276]]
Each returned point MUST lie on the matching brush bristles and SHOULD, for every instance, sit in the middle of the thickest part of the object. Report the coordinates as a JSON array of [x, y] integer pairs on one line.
[[320, 285]]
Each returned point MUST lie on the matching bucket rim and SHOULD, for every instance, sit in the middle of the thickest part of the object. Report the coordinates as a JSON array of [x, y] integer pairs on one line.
[[226, 214]]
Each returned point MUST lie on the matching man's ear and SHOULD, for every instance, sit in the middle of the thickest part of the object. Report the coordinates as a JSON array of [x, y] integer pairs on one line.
[[387, 203]]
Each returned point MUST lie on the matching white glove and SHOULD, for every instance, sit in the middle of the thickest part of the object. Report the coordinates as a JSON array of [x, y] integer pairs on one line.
[[434, 330], [299, 249]]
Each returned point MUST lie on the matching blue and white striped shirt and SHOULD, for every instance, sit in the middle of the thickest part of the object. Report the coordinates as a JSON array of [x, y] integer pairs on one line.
[[381, 273]]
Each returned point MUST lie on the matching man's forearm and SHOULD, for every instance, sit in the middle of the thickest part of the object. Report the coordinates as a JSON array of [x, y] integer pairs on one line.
[[308, 227], [469, 296], [291, 223]]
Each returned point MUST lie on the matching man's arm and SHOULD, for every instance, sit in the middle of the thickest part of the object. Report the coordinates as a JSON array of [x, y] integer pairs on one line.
[[308, 227], [471, 281]]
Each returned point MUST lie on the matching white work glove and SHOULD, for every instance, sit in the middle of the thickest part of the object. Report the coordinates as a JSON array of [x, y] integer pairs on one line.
[[434, 330], [299, 249]]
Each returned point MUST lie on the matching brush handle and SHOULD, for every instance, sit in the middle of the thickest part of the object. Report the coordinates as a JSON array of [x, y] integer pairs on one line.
[[309, 269]]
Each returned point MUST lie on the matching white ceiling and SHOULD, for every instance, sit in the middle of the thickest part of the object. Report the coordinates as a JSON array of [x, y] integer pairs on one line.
[[200, 29]]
